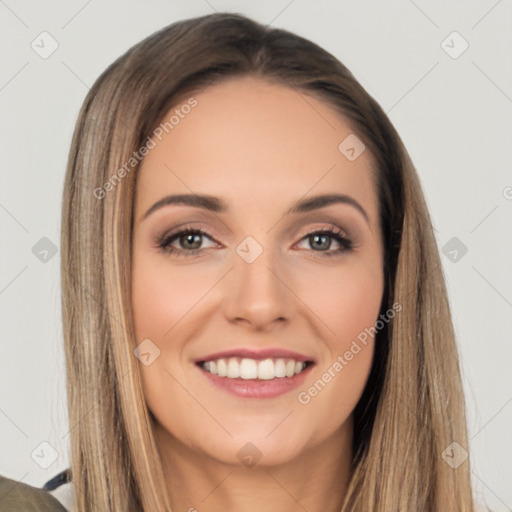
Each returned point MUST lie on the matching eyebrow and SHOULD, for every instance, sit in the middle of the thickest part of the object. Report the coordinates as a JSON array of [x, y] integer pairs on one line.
[[217, 205]]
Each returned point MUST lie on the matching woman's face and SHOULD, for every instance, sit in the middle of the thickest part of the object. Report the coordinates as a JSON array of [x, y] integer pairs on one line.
[[256, 277]]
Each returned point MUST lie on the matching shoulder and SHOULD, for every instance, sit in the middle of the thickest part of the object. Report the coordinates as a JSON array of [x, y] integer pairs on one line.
[[20, 497]]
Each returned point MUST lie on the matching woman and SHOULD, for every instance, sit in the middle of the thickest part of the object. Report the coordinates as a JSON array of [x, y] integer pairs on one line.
[[260, 367]]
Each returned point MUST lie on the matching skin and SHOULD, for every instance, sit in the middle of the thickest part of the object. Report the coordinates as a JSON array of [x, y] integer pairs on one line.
[[260, 147]]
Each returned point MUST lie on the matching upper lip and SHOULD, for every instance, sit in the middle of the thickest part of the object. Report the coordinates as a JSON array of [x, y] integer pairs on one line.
[[251, 353]]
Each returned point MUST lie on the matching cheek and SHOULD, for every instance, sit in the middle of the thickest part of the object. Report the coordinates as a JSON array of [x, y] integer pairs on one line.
[[348, 305], [160, 301], [160, 297], [345, 298]]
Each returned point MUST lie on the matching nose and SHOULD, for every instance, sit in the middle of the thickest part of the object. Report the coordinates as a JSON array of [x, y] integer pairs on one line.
[[256, 294]]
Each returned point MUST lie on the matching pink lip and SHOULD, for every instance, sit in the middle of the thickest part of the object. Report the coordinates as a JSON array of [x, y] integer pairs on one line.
[[255, 388], [273, 353]]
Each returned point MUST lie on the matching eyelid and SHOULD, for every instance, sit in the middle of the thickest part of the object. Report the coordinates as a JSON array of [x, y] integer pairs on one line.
[[197, 226], [328, 227], [191, 226]]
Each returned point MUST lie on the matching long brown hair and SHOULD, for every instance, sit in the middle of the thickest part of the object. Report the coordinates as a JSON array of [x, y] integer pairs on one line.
[[412, 408]]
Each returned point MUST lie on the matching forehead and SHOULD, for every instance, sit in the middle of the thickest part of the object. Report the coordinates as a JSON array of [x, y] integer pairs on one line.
[[257, 140]]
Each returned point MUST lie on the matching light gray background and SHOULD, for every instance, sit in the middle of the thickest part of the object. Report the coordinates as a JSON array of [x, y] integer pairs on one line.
[[454, 115]]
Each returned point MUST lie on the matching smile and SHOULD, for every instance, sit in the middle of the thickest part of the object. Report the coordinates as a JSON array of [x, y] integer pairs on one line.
[[249, 378], [246, 368]]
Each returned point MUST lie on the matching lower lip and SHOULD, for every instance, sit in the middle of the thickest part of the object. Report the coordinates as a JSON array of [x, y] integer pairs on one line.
[[255, 388]]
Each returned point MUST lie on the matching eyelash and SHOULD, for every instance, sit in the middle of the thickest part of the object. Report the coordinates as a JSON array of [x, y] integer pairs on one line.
[[164, 242]]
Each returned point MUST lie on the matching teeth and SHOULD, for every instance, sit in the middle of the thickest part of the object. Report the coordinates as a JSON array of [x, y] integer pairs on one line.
[[248, 369], [267, 369], [233, 369], [222, 368]]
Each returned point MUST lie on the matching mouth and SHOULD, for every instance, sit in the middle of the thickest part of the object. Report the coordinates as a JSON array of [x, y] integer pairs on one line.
[[251, 378], [253, 369]]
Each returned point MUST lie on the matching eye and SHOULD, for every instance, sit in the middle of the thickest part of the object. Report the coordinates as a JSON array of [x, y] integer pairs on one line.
[[189, 241], [321, 239]]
